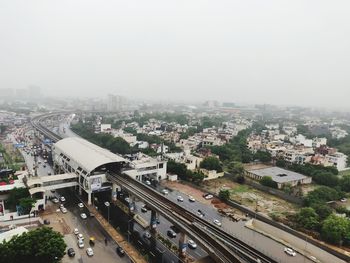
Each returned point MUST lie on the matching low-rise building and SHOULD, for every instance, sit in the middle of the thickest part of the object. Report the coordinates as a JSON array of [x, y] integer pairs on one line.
[[280, 176]]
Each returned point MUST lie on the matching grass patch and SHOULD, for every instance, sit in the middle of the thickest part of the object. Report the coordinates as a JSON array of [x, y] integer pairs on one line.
[[240, 189]]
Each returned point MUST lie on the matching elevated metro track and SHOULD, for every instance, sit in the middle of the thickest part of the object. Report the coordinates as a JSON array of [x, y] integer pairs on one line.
[[222, 247]]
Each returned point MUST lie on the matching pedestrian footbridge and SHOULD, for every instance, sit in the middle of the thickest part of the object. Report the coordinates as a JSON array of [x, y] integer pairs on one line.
[[52, 182]]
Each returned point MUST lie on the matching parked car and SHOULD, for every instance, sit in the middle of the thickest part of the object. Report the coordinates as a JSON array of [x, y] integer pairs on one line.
[[80, 243], [165, 191], [200, 213], [63, 210], [89, 252], [191, 199], [171, 233], [54, 200], [46, 221], [144, 209], [290, 251], [192, 244], [62, 199], [148, 182], [180, 198], [76, 231], [81, 205], [80, 236], [83, 216], [343, 200], [120, 251], [209, 196], [71, 252]]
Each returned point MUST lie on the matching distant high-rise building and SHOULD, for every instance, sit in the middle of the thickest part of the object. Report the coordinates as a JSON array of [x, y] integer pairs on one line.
[[115, 103], [34, 91]]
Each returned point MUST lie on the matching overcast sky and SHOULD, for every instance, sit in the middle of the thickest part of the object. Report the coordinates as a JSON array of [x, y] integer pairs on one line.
[[262, 51]]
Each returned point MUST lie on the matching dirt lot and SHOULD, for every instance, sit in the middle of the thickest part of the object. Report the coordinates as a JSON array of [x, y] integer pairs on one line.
[[255, 199]]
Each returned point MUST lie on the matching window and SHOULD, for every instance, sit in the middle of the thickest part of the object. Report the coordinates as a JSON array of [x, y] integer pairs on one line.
[[161, 165]]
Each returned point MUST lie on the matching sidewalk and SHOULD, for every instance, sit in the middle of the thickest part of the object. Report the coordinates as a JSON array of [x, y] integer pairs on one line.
[[134, 255]]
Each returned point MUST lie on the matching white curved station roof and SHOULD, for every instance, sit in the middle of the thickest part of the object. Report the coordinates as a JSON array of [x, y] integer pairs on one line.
[[88, 155]]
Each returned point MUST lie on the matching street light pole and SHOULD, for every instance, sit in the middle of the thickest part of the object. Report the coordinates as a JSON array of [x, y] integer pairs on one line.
[[107, 204]]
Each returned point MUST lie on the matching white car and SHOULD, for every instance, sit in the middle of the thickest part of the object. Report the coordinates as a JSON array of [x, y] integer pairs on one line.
[[80, 236], [61, 206], [63, 210], [290, 251], [62, 199], [165, 191], [343, 200], [55, 200], [89, 252], [83, 216], [208, 197], [191, 199], [192, 244], [76, 231], [81, 205], [217, 222], [180, 198], [147, 235], [80, 243]]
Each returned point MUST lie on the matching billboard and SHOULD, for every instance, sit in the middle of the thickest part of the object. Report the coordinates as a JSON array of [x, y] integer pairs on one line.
[[95, 183]]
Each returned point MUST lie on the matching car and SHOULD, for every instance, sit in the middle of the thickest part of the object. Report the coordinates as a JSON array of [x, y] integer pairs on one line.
[[343, 200], [71, 252], [192, 244], [191, 199], [290, 251], [209, 196], [180, 198], [217, 222], [80, 236], [120, 251], [89, 252], [148, 182], [83, 216], [165, 191], [171, 233], [81, 205], [200, 213], [62, 199], [80, 243], [49, 173], [44, 165], [76, 231], [54, 200], [61, 206], [147, 235], [63, 210], [46, 221], [127, 199], [144, 209]]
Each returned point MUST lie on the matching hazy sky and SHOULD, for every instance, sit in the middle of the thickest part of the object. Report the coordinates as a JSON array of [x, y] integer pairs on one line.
[[262, 51]]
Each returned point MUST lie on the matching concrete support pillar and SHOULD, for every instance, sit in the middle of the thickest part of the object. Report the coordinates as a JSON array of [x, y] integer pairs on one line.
[[153, 222], [131, 204], [115, 188], [182, 245], [80, 190], [89, 199]]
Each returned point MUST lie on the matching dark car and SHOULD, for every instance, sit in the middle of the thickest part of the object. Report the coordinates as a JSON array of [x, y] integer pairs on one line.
[[144, 209], [171, 233], [71, 252], [120, 251]]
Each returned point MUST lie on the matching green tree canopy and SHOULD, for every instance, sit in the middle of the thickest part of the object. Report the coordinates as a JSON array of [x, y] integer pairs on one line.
[[235, 168], [15, 195], [224, 195], [321, 195], [307, 218], [211, 163], [263, 156], [335, 229], [267, 181], [42, 245], [345, 183]]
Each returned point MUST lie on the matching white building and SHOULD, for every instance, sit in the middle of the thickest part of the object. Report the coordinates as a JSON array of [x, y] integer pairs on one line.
[[105, 127], [145, 167]]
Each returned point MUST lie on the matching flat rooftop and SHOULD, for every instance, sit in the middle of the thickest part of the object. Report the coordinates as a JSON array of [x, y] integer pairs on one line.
[[279, 175]]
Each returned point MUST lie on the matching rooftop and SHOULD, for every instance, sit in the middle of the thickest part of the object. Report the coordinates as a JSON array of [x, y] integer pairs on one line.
[[278, 175]]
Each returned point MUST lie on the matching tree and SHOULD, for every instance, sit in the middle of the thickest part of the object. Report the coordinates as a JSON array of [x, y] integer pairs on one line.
[[26, 203], [235, 168], [211, 163], [335, 229], [307, 218], [42, 245], [281, 163], [267, 181], [323, 211], [15, 195], [224, 195], [130, 130], [262, 156], [345, 183], [321, 195], [239, 179]]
